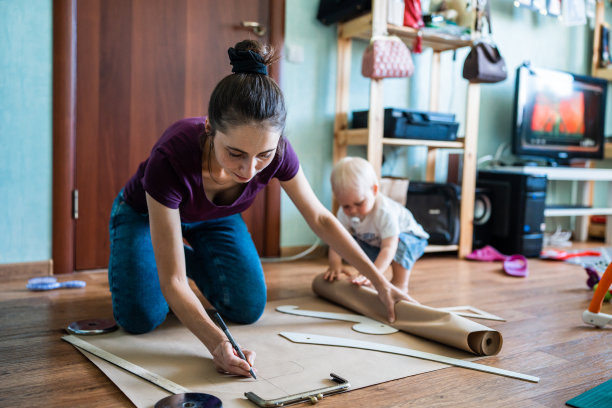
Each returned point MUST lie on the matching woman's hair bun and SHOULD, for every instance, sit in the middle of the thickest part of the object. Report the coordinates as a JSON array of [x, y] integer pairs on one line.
[[250, 56]]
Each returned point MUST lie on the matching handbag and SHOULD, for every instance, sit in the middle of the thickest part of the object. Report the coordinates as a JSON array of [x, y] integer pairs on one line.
[[484, 64], [436, 207], [338, 11], [387, 57]]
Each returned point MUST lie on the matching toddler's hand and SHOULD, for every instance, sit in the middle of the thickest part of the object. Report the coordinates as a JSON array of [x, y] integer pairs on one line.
[[333, 274]]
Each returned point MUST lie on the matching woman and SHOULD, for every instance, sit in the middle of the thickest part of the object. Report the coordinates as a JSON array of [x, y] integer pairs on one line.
[[200, 175]]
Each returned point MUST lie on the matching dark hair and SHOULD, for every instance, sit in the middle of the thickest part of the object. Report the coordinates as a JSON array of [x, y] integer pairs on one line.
[[245, 98]]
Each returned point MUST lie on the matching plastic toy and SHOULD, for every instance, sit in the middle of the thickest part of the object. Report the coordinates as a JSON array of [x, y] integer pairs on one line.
[[557, 255], [593, 276], [593, 314], [50, 283], [608, 294]]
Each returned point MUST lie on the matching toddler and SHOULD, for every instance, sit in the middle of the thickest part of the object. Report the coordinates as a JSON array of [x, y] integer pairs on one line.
[[386, 231]]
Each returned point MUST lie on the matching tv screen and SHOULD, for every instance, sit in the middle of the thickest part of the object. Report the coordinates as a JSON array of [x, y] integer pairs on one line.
[[558, 116]]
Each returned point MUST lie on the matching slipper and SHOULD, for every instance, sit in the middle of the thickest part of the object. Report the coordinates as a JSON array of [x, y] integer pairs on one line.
[[516, 265], [486, 254], [50, 283]]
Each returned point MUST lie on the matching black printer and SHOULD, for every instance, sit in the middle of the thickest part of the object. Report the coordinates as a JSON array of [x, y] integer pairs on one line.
[[413, 124]]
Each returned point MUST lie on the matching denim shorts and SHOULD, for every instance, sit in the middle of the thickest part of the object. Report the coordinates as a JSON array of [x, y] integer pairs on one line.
[[409, 249], [220, 258]]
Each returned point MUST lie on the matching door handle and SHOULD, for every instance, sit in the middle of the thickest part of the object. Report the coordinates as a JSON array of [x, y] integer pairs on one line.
[[254, 26]]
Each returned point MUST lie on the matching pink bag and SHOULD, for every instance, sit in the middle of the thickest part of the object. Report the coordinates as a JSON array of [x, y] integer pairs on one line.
[[387, 57]]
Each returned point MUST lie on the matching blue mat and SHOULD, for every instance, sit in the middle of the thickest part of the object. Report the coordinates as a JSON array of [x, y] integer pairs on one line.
[[598, 397]]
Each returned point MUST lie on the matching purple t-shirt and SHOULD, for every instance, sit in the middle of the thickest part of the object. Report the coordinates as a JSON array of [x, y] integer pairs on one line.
[[172, 175]]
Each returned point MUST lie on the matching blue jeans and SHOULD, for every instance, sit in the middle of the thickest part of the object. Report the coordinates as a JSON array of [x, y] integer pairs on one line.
[[409, 249], [221, 259]]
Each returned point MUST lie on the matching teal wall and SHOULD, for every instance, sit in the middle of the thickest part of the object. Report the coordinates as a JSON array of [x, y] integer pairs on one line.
[[25, 130], [310, 86]]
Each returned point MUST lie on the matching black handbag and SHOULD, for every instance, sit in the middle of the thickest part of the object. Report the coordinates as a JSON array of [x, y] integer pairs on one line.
[[337, 11], [436, 207], [484, 64]]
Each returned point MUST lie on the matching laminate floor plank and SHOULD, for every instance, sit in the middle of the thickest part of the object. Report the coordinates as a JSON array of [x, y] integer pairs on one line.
[[543, 336]]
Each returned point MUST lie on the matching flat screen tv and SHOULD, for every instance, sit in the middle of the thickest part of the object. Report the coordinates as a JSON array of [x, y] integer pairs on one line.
[[558, 116]]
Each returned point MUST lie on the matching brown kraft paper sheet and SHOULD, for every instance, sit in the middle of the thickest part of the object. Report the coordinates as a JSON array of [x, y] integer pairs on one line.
[[283, 367], [424, 321]]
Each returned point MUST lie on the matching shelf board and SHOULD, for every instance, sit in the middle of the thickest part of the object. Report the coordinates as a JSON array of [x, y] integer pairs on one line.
[[605, 73], [566, 212], [441, 248], [361, 27], [359, 137], [447, 144], [562, 172]]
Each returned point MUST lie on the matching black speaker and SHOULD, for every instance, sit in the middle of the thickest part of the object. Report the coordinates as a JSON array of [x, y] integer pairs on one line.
[[516, 225], [483, 218]]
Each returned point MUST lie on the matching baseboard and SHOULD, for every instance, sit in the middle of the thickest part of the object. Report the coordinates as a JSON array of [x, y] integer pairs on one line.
[[26, 270], [319, 252]]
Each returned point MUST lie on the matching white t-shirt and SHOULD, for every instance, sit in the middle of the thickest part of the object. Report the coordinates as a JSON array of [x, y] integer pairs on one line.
[[388, 218]]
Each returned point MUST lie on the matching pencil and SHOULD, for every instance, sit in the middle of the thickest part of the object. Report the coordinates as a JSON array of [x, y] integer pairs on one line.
[[223, 327]]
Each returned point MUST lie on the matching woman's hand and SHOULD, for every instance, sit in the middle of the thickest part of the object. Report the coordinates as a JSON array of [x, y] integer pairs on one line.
[[227, 361], [389, 295]]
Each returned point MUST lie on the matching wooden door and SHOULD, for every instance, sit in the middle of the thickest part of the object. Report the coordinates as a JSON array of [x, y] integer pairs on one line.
[[140, 66]]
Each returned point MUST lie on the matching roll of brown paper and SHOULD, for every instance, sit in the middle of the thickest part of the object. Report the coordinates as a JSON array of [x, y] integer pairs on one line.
[[424, 321]]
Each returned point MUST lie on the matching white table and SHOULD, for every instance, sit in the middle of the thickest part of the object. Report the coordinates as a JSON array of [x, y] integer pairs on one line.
[[584, 177]]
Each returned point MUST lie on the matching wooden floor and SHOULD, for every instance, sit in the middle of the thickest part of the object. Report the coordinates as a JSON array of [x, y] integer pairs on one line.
[[544, 336]]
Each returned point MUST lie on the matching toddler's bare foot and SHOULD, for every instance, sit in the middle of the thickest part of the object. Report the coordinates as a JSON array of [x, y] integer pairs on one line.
[[402, 286], [404, 289], [361, 280]]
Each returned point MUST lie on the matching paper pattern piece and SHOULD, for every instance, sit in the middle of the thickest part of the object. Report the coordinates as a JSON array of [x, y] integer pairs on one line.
[[434, 324], [306, 338], [364, 324], [283, 368], [471, 311]]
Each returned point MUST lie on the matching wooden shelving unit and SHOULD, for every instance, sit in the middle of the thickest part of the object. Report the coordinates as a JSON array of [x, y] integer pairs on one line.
[[375, 24], [596, 70]]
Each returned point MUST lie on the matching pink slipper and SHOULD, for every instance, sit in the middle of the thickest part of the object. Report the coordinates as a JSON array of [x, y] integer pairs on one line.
[[486, 254], [516, 265]]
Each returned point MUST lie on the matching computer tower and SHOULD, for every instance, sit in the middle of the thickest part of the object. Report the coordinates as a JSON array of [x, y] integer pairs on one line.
[[516, 225]]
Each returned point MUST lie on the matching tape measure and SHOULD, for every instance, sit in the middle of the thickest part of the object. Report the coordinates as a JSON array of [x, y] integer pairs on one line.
[[141, 372]]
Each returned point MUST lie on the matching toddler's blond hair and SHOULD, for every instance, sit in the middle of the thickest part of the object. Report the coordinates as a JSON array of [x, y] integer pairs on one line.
[[352, 173]]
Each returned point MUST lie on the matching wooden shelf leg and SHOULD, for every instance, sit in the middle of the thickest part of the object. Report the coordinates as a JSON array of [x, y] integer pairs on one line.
[[342, 96], [468, 182], [376, 125], [430, 170], [582, 222]]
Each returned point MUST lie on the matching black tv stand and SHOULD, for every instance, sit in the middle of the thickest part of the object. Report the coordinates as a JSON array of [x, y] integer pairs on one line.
[[581, 209], [541, 163], [526, 163]]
